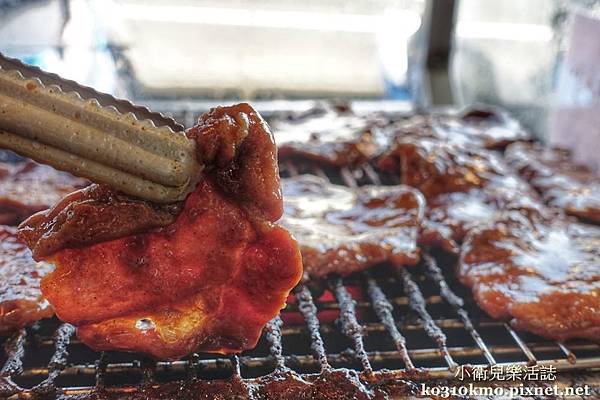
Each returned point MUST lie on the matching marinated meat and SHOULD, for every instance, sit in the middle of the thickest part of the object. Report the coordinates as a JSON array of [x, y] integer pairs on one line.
[[464, 183], [335, 137], [91, 215], [208, 281], [474, 127], [450, 216], [28, 187], [543, 277], [341, 230], [436, 166], [21, 301], [495, 128], [562, 183]]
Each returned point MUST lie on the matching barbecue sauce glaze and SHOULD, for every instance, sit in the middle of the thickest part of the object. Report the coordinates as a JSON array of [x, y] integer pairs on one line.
[[343, 230], [208, 279], [542, 276], [562, 183]]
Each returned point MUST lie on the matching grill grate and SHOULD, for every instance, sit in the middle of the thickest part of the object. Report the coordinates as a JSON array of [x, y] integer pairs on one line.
[[386, 324]]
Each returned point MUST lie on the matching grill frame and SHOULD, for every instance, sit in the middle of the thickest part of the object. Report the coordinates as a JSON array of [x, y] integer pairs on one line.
[[412, 286]]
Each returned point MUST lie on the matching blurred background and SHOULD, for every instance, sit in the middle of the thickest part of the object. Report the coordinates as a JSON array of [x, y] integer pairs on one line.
[[400, 54]]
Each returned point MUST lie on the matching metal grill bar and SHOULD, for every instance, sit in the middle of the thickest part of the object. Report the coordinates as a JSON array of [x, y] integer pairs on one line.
[[235, 365], [398, 301], [58, 362], [307, 307], [349, 324], [435, 273], [417, 304], [148, 368], [371, 174], [15, 351], [526, 350], [348, 178], [383, 309], [307, 360], [568, 353], [100, 370], [273, 336]]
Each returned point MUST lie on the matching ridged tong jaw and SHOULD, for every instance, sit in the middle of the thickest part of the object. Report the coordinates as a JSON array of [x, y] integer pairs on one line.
[[94, 135]]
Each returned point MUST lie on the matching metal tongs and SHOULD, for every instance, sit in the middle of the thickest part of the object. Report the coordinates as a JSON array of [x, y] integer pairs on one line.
[[94, 135]]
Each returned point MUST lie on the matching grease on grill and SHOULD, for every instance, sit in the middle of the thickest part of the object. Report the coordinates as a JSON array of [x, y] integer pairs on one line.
[[349, 324], [308, 309], [434, 272]]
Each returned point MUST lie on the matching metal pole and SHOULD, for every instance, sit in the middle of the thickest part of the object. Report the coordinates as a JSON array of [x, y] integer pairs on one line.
[[439, 20]]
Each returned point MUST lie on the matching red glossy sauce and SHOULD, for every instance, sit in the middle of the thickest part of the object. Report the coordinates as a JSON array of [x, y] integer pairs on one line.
[[208, 281]]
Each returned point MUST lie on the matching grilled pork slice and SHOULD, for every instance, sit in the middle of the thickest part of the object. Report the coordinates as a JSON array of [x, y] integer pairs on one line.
[[543, 277], [21, 301], [330, 136], [28, 187], [450, 216], [475, 127], [207, 281], [561, 182], [436, 166], [341, 230], [465, 184], [495, 128]]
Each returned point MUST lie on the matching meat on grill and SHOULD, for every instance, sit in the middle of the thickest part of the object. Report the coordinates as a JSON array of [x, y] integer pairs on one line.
[[450, 216], [340, 138], [543, 277], [208, 281], [562, 183], [495, 128], [437, 165], [330, 136], [465, 183], [21, 301], [341, 230], [28, 187]]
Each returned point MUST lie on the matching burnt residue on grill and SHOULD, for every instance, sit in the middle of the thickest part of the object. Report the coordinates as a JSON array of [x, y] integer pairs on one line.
[[339, 384], [58, 362], [418, 304], [100, 370], [14, 350], [383, 308], [307, 307], [434, 272], [273, 336], [349, 324]]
